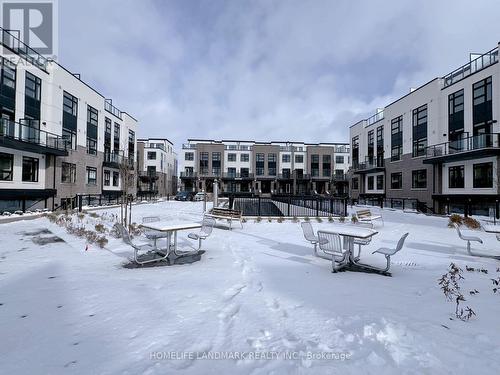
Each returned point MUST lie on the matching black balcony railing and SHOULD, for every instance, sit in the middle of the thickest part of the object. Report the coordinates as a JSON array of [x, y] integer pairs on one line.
[[483, 61], [370, 163], [12, 42], [189, 174], [230, 175], [147, 175], [30, 135], [465, 144]]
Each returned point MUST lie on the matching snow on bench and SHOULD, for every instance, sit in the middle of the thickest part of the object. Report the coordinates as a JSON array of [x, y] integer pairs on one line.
[[226, 213]]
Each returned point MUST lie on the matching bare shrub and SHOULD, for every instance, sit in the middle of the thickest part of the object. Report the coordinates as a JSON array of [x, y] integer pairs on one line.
[[319, 220], [330, 219], [471, 223], [100, 228], [354, 219], [342, 219], [449, 283], [455, 219]]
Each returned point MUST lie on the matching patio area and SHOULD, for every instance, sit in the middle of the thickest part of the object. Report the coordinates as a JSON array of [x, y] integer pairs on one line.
[[259, 289]]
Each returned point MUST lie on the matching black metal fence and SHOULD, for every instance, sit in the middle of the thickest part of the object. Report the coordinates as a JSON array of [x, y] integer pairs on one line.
[[290, 205], [395, 203]]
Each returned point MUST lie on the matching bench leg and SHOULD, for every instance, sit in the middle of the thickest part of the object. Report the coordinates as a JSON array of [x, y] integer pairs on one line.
[[468, 248]]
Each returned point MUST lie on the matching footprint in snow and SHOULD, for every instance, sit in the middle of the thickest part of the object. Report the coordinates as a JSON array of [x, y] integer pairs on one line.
[[233, 292], [72, 363]]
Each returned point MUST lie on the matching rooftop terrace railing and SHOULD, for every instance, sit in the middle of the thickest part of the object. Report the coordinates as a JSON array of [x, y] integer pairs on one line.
[[108, 106], [188, 146], [483, 61], [465, 144], [13, 43], [375, 118]]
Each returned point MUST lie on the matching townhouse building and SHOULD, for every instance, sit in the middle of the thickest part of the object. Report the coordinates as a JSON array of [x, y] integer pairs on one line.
[[438, 144], [265, 167], [58, 136], [157, 167]]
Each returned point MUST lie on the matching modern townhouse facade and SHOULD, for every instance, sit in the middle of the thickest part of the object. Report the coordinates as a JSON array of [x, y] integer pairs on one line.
[[59, 137], [439, 144], [157, 167], [265, 167]]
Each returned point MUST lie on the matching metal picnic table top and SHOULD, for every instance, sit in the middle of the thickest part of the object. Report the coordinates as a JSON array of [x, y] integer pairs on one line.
[[491, 228], [165, 227], [351, 231]]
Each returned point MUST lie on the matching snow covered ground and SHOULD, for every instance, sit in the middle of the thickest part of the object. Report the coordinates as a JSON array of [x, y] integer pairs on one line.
[[257, 291]]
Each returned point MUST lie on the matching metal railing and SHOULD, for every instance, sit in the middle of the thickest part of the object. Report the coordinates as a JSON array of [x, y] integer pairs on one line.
[[394, 203], [375, 118], [369, 163], [483, 61], [290, 205], [189, 175], [237, 175], [465, 144], [188, 146], [17, 46], [108, 106], [29, 134]]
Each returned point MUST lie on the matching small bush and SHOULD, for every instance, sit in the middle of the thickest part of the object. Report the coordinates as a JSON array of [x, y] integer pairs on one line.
[[269, 220], [258, 219], [319, 220], [115, 232], [100, 228], [102, 241], [134, 229], [354, 219], [330, 219], [455, 219], [306, 218], [295, 219], [81, 216], [52, 217], [471, 223], [342, 219], [280, 220], [243, 220]]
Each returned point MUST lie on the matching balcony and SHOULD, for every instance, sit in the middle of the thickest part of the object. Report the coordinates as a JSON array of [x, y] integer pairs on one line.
[[483, 61], [375, 118], [27, 138], [238, 147], [188, 146], [337, 177], [370, 165], [15, 45], [114, 160], [466, 148], [237, 176], [189, 174], [108, 106], [148, 176]]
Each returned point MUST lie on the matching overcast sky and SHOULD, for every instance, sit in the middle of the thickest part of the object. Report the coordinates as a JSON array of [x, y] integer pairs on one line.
[[266, 70]]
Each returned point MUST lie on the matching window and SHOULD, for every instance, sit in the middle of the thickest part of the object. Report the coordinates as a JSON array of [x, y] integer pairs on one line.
[[6, 166], [32, 86], [151, 155], [285, 158], [107, 130], [231, 172], [397, 180], [285, 172], [355, 151], [189, 156], [8, 74], [244, 172], [455, 114], [380, 146], [116, 138], [483, 175], [456, 177], [70, 104], [30, 169], [396, 138], [271, 164], [91, 146], [231, 157], [355, 183], [70, 137], [419, 179], [380, 182], [299, 158], [215, 156], [339, 159], [419, 131], [116, 178], [481, 99], [370, 182], [91, 176], [259, 164], [107, 178], [216, 164], [371, 146], [203, 162], [92, 123], [68, 173], [244, 157]]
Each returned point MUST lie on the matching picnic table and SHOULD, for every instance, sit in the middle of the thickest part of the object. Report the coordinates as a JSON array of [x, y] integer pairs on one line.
[[491, 228], [351, 232], [171, 230]]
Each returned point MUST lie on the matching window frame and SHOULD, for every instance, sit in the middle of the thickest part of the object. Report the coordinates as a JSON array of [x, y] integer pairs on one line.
[[34, 169], [9, 173]]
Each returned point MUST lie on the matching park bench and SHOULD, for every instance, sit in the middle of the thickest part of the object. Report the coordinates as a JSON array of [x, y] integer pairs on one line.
[[366, 216], [227, 214]]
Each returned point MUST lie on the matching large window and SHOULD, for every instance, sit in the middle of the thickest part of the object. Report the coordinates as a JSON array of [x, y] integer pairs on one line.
[[396, 138], [271, 164], [482, 108], [483, 175], [91, 176], [244, 157], [116, 178], [355, 183], [371, 146], [30, 169], [203, 163], [8, 74], [299, 158], [116, 138], [371, 180], [355, 152], [259, 164], [419, 179], [216, 163], [70, 104], [397, 180], [189, 156], [92, 124], [380, 146], [315, 165], [151, 155], [68, 173], [456, 115], [33, 86], [339, 159], [107, 178], [456, 177], [419, 131], [380, 182], [6, 166], [285, 158], [231, 157]]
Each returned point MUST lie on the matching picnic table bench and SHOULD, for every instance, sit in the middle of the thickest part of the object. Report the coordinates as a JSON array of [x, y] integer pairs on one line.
[[227, 214], [366, 216]]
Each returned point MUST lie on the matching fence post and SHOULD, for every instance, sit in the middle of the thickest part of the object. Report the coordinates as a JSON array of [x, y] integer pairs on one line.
[[345, 207], [80, 198], [497, 211], [381, 202], [100, 199], [392, 205], [258, 210], [317, 206], [331, 206], [403, 204], [289, 199]]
